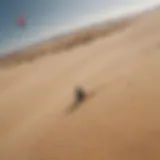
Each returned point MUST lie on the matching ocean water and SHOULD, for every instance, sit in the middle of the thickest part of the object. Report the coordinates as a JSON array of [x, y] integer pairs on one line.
[[48, 18]]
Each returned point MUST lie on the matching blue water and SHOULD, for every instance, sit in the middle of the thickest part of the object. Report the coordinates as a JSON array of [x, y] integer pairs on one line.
[[46, 18]]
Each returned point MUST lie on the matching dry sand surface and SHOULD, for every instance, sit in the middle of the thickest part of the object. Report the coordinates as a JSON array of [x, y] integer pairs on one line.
[[120, 120]]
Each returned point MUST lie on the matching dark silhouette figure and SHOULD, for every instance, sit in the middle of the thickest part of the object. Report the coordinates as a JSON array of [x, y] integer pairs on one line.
[[80, 96]]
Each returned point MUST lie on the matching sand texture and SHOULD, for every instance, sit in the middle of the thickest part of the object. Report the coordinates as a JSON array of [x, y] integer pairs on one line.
[[119, 120]]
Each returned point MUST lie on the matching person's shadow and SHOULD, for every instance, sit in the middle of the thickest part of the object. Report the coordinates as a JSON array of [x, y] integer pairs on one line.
[[73, 107]]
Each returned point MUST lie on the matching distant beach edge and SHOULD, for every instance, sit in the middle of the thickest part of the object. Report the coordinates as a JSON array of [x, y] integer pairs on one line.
[[69, 40]]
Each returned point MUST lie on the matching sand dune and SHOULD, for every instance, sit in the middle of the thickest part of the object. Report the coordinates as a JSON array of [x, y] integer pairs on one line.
[[119, 121]]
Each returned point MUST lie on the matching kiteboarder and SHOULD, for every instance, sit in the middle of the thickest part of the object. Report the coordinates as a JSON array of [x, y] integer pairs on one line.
[[80, 96]]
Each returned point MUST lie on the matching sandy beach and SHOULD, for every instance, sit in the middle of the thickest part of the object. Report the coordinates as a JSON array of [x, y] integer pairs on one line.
[[120, 119]]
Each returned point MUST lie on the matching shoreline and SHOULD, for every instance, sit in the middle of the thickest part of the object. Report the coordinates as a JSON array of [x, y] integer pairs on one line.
[[62, 42], [70, 39]]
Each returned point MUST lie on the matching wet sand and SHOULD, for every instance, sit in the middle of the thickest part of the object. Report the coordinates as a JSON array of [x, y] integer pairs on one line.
[[118, 121]]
